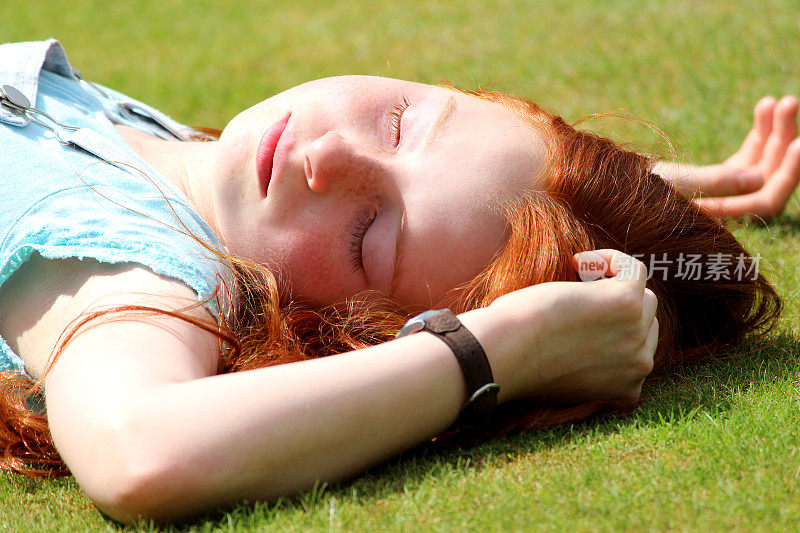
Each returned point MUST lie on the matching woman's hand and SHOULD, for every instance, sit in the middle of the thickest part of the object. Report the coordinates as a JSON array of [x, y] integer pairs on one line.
[[759, 178], [569, 342]]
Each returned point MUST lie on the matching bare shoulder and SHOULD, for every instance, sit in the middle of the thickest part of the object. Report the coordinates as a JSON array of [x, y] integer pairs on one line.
[[45, 296]]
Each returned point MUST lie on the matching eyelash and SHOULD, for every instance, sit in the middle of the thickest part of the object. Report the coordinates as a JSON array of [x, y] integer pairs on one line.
[[366, 220], [357, 239], [395, 115]]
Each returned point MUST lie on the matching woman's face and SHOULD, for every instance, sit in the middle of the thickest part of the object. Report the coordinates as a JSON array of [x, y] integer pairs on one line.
[[375, 184]]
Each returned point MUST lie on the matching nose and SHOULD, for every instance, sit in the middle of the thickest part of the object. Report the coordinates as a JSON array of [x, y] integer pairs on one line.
[[334, 159]]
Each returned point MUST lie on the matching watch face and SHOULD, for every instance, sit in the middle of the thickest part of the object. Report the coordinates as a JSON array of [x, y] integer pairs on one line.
[[416, 323], [412, 326]]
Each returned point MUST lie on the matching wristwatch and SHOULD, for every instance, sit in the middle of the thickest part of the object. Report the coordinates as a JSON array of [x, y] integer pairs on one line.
[[481, 388]]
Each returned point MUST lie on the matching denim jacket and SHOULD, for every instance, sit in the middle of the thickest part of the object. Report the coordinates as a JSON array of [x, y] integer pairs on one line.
[[80, 191]]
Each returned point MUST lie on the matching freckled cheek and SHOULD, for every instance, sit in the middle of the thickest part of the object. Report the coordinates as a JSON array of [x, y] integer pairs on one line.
[[317, 268]]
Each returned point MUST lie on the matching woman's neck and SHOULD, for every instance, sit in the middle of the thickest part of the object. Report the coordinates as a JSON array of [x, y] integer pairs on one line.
[[187, 165]]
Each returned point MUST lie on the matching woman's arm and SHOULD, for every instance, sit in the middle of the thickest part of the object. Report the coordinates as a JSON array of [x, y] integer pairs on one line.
[[759, 178], [146, 432]]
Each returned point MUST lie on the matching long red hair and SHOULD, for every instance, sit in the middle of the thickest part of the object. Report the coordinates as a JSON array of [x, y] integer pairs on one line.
[[595, 195]]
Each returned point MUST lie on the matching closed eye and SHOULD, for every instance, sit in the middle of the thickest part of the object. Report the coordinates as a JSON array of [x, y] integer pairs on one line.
[[395, 116], [357, 238]]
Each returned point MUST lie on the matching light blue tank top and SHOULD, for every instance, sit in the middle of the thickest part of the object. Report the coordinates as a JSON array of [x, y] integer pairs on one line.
[[93, 198]]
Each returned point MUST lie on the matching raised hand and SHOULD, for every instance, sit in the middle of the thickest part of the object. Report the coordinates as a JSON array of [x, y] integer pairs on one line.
[[759, 178]]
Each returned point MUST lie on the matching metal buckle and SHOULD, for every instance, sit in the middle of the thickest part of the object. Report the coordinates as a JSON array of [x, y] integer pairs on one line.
[[483, 390], [16, 102], [13, 100]]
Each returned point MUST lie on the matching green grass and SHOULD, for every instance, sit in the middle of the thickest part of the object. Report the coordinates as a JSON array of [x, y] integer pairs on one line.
[[711, 447]]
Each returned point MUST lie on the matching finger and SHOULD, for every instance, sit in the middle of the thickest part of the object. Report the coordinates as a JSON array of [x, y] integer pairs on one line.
[[627, 268], [590, 265], [784, 130], [644, 366], [784, 180], [734, 207], [753, 146], [748, 206], [649, 307], [716, 208], [621, 266], [721, 180], [769, 201], [650, 345]]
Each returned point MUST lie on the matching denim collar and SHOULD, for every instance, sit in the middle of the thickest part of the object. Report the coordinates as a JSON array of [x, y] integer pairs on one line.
[[20, 64]]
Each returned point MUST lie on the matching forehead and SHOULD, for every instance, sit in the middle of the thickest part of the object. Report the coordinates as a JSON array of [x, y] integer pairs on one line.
[[484, 156]]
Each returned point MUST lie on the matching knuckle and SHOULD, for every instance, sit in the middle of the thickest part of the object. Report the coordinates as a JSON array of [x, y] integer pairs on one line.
[[715, 180], [622, 262], [642, 365], [635, 262], [629, 304]]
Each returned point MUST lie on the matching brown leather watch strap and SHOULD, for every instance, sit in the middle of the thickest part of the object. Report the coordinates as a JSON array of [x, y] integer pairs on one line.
[[481, 389]]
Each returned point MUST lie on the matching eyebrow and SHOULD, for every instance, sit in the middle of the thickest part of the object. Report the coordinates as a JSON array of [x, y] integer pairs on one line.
[[447, 111], [398, 253]]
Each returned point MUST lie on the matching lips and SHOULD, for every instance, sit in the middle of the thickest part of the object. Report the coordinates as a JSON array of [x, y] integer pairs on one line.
[[265, 155]]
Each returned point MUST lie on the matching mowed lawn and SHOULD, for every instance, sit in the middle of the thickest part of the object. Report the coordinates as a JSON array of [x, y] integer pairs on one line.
[[711, 447]]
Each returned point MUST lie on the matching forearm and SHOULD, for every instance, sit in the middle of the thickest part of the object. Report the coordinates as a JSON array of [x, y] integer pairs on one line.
[[270, 432]]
